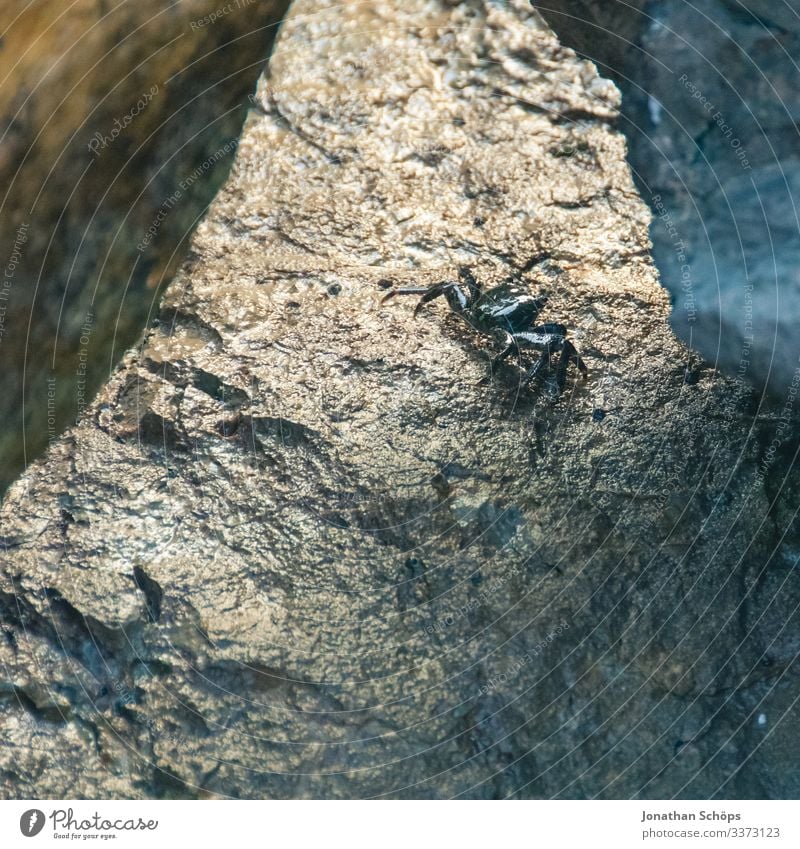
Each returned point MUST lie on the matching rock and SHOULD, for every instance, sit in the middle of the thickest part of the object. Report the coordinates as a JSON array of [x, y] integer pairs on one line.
[[710, 107], [118, 124], [295, 549]]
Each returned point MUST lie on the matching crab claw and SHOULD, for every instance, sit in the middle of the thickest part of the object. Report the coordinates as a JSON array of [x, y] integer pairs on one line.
[[575, 357], [428, 293], [405, 290], [435, 291], [465, 275]]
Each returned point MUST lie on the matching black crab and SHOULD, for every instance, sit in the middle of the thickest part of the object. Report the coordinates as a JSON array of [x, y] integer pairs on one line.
[[505, 313]]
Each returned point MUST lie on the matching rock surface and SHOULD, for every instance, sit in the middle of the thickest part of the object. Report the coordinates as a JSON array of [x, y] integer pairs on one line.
[[118, 124], [711, 99], [295, 550]]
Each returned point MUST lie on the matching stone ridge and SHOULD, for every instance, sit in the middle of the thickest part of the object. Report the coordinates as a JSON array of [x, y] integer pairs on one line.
[[296, 549]]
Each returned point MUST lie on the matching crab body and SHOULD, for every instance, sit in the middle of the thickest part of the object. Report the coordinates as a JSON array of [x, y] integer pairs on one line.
[[506, 313]]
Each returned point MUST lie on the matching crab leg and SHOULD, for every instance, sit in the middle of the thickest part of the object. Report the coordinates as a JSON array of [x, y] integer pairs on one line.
[[405, 290], [428, 293], [511, 346]]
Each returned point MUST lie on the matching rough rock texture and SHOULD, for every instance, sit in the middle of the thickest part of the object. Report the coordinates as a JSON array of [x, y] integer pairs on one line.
[[711, 99], [118, 124], [295, 550]]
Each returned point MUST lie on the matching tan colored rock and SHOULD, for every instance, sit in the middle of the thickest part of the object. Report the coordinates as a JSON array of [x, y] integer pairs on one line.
[[296, 550]]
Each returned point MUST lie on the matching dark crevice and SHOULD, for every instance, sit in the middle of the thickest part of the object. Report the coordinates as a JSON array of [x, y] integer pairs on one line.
[[708, 95], [152, 592]]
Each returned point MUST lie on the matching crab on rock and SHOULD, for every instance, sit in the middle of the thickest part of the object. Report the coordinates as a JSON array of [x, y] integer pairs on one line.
[[507, 314]]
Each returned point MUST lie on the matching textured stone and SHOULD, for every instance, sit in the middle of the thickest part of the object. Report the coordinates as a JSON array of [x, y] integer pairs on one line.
[[296, 549], [118, 124]]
